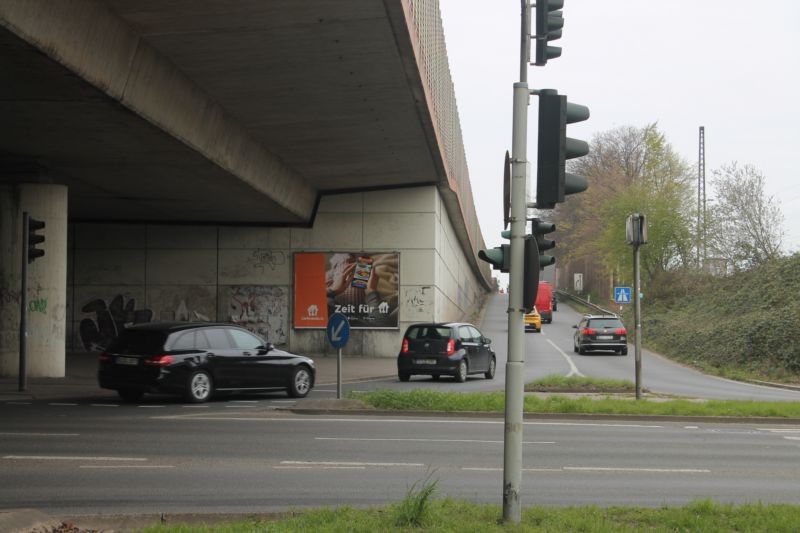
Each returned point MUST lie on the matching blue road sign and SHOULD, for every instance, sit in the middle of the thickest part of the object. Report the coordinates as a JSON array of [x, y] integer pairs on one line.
[[622, 295], [338, 330]]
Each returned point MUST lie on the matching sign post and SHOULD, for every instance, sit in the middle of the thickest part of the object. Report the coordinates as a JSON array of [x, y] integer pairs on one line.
[[338, 332], [636, 235]]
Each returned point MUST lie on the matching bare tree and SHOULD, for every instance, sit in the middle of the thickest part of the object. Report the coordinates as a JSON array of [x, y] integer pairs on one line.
[[746, 224]]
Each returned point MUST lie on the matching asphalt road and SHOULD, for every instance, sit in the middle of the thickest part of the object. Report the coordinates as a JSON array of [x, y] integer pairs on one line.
[[86, 459], [551, 352]]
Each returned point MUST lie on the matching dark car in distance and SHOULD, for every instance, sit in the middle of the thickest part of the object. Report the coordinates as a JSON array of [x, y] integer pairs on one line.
[[445, 349], [197, 360], [600, 332]]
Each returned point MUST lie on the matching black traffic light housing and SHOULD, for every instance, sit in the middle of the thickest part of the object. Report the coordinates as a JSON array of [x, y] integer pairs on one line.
[[530, 283], [539, 229], [34, 239], [553, 182], [549, 21]]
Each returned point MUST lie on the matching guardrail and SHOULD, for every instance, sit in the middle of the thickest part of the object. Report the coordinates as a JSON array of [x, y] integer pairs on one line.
[[584, 302]]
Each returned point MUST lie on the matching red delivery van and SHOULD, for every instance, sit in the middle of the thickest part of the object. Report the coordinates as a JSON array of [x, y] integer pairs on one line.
[[544, 302]]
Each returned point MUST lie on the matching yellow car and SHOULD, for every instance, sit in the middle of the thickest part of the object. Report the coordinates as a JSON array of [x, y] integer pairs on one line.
[[533, 322]]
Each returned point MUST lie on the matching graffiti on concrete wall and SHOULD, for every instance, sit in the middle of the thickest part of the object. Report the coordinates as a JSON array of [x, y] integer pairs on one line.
[[108, 320], [263, 309], [263, 258], [418, 303]]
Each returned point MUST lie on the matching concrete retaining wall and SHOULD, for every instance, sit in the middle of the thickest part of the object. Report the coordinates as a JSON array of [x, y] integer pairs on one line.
[[121, 274]]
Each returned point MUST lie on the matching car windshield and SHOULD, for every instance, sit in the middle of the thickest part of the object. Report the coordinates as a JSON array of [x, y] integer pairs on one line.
[[429, 333], [607, 323], [141, 342]]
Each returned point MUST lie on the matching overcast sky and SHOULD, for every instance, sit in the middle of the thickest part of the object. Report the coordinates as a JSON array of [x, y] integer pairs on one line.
[[732, 66]]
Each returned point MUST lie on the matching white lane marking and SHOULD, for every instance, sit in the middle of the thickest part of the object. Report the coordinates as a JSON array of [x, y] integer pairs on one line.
[[69, 458], [573, 370], [691, 427], [126, 466], [105, 405], [470, 441], [791, 438], [321, 467], [776, 430], [398, 420], [62, 403], [345, 463], [645, 470], [483, 469], [21, 434]]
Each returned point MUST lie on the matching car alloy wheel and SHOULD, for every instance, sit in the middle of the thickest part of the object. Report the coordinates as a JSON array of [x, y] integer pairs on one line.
[[492, 368], [300, 384], [200, 387], [461, 371]]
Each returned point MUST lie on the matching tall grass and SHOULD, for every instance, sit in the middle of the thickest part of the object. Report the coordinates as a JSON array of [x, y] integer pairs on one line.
[[429, 400], [413, 509], [457, 516]]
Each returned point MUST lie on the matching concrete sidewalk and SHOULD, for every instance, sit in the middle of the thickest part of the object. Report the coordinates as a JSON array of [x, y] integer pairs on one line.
[[81, 379]]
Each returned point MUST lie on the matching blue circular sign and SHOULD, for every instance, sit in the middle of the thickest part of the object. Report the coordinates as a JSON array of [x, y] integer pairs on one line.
[[338, 330]]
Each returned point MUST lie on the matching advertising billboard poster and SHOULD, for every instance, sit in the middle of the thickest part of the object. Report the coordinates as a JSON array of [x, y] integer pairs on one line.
[[364, 287]]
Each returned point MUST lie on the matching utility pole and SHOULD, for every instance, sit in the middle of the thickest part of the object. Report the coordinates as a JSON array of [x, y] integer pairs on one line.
[[701, 199], [515, 363], [523, 257]]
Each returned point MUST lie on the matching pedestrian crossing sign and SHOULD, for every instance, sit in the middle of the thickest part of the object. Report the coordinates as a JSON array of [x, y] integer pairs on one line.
[[622, 295]]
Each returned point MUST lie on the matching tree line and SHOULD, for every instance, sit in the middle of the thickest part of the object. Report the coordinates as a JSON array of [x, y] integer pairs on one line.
[[636, 170]]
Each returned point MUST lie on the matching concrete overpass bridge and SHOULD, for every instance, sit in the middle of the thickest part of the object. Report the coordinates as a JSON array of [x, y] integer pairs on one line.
[[197, 160]]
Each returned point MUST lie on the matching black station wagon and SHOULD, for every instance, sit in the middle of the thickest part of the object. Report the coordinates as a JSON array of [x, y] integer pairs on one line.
[[197, 360], [451, 349]]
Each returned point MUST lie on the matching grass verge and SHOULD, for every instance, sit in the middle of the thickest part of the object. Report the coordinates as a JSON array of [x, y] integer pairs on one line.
[[428, 400], [448, 515], [556, 383]]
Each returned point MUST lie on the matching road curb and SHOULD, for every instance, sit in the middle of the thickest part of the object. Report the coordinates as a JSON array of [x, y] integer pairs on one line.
[[544, 416]]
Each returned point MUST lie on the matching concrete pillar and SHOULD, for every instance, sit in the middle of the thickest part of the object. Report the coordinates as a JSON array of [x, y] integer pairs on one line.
[[47, 279]]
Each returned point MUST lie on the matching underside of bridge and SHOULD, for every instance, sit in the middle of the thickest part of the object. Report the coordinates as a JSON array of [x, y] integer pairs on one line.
[[155, 111]]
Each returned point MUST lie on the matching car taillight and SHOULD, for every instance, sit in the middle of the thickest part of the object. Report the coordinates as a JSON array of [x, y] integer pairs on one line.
[[451, 347], [589, 331], [104, 357], [621, 331], [159, 360], [405, 346]]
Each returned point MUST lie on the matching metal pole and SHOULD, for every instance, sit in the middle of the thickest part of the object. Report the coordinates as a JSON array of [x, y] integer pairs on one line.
[[23, 308], [339, 374], [515, 363], [637, 318]]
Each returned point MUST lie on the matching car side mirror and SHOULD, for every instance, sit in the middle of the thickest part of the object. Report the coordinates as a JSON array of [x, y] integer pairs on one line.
[[487, 340], [266, 348], [575, 326]]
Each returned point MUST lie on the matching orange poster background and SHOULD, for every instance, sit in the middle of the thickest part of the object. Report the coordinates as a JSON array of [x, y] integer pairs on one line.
[[310, 297]]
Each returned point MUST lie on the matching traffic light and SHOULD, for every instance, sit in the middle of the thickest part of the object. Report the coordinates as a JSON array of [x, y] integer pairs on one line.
[[530, 283], [539, 229], [552, 179], [34, 239], [549, 22], [500, 256]]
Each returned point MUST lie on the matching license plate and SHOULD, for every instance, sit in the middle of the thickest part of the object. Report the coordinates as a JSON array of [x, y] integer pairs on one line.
[[132, 361], [425, 361], [605, 337]]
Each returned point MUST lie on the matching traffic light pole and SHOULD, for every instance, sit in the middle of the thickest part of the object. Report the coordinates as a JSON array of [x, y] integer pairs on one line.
[[23, 307], [515, 363]]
